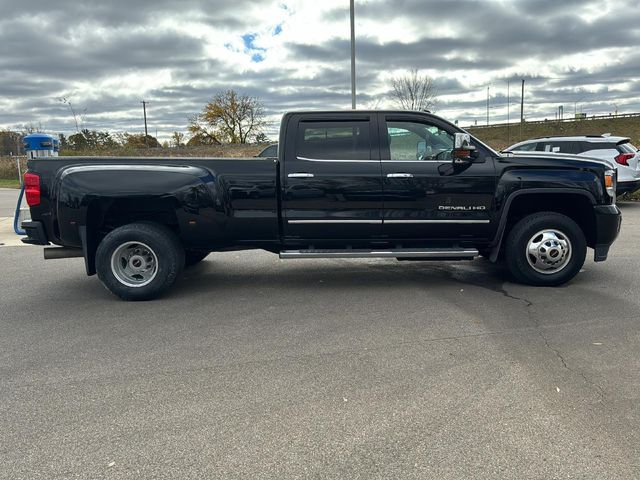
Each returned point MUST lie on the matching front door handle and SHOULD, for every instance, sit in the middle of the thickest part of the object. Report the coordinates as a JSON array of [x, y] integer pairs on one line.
[[300, 175], [399, 175]]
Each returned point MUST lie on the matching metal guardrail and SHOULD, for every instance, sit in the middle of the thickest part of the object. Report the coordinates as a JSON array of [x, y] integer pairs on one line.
[[563, 120]]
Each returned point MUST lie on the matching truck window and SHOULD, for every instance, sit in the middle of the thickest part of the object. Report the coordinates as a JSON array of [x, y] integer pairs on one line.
[[418, 141], [527, 147], [559, 146], [349, 140]]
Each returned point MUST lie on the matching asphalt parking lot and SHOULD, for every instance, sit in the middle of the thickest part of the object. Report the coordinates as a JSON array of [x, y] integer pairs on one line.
[[257, 368]]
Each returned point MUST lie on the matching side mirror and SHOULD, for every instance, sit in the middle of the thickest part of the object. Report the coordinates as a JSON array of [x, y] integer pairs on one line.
[[463, 151]]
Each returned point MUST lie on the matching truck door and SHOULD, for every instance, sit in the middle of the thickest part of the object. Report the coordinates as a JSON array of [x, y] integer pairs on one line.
[[427, 195], [332, 184]]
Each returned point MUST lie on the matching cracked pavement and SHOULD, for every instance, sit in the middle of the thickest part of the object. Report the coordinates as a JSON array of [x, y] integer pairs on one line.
[[257, 368]]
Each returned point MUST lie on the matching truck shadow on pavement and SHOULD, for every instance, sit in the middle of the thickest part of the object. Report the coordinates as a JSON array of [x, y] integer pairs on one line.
[[216, 275]]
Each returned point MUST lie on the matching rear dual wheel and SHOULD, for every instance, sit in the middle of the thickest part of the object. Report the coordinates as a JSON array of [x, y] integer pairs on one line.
[[139, 261]]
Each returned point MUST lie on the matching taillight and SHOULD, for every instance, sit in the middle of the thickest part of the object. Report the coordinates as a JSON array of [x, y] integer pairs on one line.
[[623, 158], [32, 189]]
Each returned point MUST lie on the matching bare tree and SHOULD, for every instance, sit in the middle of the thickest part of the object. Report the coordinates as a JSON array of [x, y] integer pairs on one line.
[[78, 118], [28, 128], [413, 91], [373, 103], [229, 117]]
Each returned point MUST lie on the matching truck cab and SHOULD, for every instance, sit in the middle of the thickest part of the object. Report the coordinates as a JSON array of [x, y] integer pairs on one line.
[[382, 176]]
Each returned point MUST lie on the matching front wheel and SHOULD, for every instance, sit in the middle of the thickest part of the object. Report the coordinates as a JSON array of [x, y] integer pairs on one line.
[[545, 249], [139, 261]]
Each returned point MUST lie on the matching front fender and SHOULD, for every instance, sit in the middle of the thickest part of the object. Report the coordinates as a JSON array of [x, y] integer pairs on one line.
[[516, 183]]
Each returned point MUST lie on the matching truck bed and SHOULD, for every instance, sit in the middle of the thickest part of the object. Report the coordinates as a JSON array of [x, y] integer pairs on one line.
[[221, 200]]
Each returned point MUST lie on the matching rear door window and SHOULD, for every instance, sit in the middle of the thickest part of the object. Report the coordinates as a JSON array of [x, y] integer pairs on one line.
[[558, 147], [527, 147], [349, 140]]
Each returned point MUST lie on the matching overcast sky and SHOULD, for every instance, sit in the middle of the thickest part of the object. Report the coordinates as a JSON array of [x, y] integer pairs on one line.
[[294, 54]]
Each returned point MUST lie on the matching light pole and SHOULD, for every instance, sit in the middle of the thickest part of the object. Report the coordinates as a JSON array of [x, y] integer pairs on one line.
[[575, 106], [353, 56], [487, 106], [509, 112]]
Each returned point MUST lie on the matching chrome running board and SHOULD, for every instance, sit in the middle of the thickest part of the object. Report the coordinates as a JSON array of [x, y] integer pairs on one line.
[[428, 253]]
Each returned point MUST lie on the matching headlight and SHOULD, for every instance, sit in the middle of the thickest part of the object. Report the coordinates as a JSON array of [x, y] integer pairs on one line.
[[610, 183]]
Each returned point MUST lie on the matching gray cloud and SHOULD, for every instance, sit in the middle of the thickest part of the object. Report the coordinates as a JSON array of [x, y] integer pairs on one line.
[[567, 51]]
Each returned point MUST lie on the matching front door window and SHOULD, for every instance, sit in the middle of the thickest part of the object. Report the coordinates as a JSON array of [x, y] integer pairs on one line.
[[410, 141]]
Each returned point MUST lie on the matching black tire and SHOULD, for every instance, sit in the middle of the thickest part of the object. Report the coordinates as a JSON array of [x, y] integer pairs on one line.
[[193, 257], [552, 254], [164, 253]]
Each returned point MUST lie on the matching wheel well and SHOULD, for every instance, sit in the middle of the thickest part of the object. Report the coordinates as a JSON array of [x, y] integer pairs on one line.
[[105, 215], [575, 206]]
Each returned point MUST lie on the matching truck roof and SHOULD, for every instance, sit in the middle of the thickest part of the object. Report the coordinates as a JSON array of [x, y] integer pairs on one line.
[[367, 111]]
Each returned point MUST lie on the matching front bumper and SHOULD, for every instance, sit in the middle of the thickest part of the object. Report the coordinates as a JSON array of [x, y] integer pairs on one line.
[[627, 187], [36, 234], [608, 222]]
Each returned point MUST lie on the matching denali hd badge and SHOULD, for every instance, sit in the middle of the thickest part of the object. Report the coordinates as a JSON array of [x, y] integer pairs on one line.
[[454, 208]]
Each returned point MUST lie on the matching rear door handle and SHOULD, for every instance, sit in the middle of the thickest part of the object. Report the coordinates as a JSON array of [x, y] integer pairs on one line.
[[300, 175], [399, 175]]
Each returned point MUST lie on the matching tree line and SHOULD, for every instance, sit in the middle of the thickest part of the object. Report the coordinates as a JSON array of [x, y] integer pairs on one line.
[[230, 117]]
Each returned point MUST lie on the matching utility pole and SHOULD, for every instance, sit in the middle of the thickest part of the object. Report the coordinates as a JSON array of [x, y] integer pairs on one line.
[[508, 113], [522, 104], [522, 109], [146, 133], [487, 106], [353, 55]]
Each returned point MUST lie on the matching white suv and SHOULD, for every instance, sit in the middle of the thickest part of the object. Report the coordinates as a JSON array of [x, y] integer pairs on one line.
[[605, 147]]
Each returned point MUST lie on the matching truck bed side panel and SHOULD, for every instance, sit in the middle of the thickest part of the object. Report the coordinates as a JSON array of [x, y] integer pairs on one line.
[[214, 202]]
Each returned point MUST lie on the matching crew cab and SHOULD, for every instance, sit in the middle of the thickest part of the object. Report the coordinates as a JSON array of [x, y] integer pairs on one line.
[[353, 184]]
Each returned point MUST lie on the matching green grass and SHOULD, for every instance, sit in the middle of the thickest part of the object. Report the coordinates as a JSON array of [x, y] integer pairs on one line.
[[501, 137], [9, 183], [634, 196]]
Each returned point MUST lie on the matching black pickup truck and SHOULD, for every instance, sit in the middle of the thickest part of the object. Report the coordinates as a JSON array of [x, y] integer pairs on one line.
[[353, 184]]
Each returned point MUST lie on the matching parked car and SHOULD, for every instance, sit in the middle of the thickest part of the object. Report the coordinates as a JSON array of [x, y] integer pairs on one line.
[[606, 147], [354, 184], [270, 152]]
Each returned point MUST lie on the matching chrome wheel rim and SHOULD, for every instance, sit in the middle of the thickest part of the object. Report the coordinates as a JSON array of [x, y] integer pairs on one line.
[[134, 264], [548, 251]]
